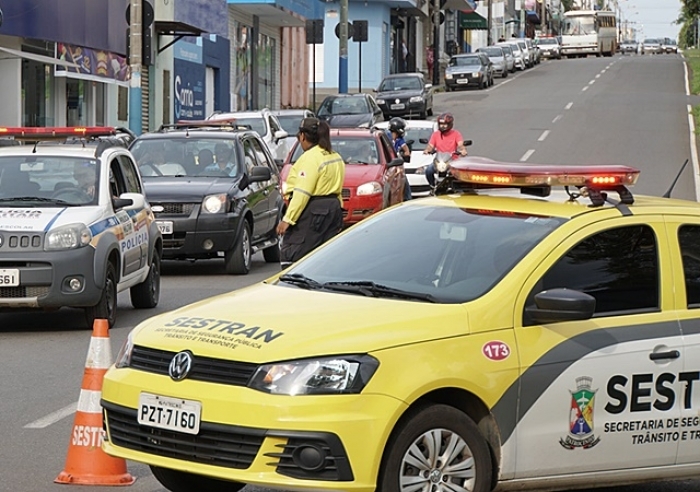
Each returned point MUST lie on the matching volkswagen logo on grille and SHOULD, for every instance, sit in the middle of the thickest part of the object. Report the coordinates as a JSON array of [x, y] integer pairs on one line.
[[180, 366], [157, 208]]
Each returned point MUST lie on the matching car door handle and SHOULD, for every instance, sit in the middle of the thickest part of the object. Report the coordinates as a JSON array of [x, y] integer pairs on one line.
[[671, 354]]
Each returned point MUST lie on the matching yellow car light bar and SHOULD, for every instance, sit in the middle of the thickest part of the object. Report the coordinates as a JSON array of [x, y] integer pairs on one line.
[[493, 174]]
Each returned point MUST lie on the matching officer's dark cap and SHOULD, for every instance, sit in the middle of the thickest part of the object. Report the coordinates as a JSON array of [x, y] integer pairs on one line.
[[309, 126]]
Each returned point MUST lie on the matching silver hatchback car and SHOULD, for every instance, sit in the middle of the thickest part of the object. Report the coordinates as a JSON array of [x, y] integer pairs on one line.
[[498, 58]]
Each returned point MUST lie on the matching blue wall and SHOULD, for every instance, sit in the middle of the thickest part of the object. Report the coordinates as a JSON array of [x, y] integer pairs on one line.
[[209, 15], [90, 23], [373, 51]]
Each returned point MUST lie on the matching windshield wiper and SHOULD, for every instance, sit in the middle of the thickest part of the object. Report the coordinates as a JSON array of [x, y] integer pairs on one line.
[[31, 199], [371, 289], [301, 281]]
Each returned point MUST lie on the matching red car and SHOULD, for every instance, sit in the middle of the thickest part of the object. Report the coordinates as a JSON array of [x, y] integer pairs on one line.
[[374, 175]]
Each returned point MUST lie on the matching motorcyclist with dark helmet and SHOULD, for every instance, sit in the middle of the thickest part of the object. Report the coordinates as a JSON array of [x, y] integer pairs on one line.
[[444, 140], [397, 128]]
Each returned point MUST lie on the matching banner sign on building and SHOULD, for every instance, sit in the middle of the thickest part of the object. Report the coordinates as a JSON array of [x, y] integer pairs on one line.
[[92, 64], [189, 77]]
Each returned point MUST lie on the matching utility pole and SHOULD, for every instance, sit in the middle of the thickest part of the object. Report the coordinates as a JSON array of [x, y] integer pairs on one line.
[[343, 48], [489, 37], [436, 42], [522, 18], [135, 55]]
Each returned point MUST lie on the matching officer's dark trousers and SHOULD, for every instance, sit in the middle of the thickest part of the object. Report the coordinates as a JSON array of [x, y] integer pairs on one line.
[[321, 219]]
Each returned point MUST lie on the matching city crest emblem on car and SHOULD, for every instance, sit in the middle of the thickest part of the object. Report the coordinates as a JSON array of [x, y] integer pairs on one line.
[[397, 100], [581, 416], [157, 208], [180, 366]]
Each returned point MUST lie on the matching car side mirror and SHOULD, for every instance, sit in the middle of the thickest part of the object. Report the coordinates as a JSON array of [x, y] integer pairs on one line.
[[428, 86], [556, 305], [395, 162], [259, 173], [280, 134], [129, 201], [467, 143], [424, 141]]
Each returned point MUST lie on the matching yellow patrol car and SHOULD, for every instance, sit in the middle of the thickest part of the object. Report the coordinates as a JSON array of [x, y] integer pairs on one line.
[[75, 226], [531, 328]]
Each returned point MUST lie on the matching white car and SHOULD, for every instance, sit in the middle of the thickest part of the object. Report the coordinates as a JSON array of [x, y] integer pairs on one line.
[[290, 119], [268, 127], [75, 226], [418, 133]]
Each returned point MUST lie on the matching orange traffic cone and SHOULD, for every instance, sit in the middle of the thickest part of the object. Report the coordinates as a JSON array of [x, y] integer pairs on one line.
[[86, 463]]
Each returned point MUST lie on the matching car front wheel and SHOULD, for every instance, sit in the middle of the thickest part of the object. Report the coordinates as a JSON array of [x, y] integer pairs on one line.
[[106, 308], [238, 258], [179, 481], [146, 294], [439, 449]]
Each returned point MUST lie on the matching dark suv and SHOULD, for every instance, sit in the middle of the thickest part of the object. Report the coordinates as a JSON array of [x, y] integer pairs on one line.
[[214, 190], [405, 94]]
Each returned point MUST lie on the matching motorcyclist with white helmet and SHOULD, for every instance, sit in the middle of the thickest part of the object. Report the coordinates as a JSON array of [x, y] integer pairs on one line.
[[444, 140]]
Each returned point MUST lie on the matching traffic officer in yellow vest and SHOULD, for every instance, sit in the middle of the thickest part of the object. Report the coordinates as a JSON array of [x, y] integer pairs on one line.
[[315, 182]]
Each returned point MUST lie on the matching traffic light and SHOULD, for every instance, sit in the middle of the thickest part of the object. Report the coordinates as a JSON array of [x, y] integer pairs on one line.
[[146, 33], [359, 31], [314, 31]]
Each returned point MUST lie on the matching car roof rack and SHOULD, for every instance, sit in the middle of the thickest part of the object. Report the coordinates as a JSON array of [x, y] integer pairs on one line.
[[594, 182], [217, 125]]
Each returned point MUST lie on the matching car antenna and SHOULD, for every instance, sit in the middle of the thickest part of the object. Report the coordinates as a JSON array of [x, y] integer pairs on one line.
[[668, 193]]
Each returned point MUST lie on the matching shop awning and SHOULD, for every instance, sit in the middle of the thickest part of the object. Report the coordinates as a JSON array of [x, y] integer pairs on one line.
[[467, 5], [39, 58], [473, 21], [532, 16]]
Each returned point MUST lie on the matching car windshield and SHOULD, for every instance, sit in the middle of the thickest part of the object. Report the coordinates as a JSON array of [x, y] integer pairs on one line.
[[547, 41], [420, 137], [290, 122], [51, 180], [464, 61], [507, 50], [470, 251], [492, 52], [353, 150], [182, 157], [343, 105], [651, 41], [577, 26], [400, 84]]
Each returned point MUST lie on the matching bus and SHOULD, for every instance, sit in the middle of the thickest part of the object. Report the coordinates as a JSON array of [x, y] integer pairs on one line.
[[588, 32]]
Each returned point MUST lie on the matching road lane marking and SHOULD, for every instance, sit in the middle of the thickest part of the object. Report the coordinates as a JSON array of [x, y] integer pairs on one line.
[[527, 155], [543, 136], [597, 76], [693, 145], [557, 118], [52, 418], [591, 82], [585, 88], [568, 106]]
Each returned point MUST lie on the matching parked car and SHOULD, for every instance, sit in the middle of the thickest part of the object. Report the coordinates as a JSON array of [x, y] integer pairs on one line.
[[405, 94], [509, 56], [651, 46], [214, 191], [519, 57], [374, 175], [76, 226], [469, 69], [290, 119], [533, 50], [266, 124], [497, 57], [418, 133], [549, 47], [669, 46]]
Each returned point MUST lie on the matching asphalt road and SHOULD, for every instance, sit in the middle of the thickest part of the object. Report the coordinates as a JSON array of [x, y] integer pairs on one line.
[[623, 110]]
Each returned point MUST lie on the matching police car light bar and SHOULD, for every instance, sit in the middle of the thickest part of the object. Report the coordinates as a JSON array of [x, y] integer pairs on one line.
[[55, 133], [480, 171]]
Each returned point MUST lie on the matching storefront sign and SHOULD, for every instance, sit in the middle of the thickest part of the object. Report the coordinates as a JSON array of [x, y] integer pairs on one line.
[[92, 64], [189, 82]]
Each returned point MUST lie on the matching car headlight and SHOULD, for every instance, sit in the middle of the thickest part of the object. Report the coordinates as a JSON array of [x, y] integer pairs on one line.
[[71, 236], [214, 204], [372, 188], [326, 375], [416, 99], [381, 101], [448, 76], [476, 74], [124, 355]]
